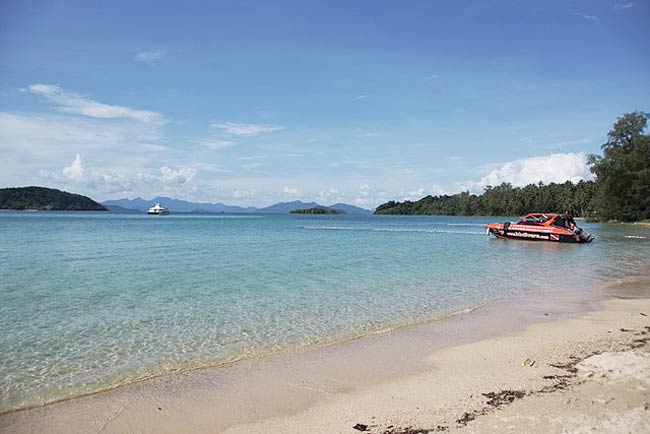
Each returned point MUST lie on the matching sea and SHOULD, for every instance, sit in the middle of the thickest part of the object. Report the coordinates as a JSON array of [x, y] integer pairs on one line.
[[90, 301]]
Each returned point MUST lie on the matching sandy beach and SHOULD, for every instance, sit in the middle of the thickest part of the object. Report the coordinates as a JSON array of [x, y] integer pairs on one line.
[[544, 364]]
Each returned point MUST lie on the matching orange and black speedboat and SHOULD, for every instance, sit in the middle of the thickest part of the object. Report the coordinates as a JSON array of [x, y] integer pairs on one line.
[[559, 228]]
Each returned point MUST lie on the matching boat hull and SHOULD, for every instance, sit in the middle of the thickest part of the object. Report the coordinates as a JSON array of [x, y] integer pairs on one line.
[[534, 236]]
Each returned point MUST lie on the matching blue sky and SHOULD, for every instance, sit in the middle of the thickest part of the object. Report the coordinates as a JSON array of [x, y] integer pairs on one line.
[[252, 103]]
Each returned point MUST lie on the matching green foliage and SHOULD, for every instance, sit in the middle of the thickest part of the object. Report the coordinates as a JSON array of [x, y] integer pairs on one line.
[[317, 210], [45, 199], [623, 172], [576, 199], [621, 190]]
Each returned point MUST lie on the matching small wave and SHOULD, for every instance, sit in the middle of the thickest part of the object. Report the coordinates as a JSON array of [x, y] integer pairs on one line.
[[330, 228], [636, 237], [434, 224], [396, 230]]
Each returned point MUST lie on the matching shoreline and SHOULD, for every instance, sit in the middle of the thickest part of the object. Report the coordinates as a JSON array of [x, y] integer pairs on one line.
[[582, 300], [285, 351], [259, 390]]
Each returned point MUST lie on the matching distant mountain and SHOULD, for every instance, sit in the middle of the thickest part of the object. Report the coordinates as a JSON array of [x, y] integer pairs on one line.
[[45, 199], [117, 208], [287, 207], [176, 205], [349, 209]]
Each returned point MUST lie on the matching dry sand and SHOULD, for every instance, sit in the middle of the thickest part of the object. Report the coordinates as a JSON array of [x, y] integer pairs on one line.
[[591, 373]]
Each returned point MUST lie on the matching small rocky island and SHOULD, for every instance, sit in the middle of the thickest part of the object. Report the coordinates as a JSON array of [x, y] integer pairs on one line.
[[317, 210], [45, 199]]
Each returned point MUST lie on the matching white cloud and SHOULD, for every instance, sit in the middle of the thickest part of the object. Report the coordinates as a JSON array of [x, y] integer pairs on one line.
[[416, 194], [75, 171], [77, 174], [370, 197], [549, 168], [180, 176], [243, 193], [150, 56], [436, 190], [74, 103], [360, 97], [290, 190], [237, 129], [330, 195]]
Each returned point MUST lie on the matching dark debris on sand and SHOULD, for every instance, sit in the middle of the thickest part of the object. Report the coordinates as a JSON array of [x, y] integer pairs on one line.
[[497, 400], [411, 430]]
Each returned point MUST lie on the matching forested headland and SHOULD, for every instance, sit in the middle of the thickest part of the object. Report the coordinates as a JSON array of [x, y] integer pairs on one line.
[[620, 191], [45, 199]]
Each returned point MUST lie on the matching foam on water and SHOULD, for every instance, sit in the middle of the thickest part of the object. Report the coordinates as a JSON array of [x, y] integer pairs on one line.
[[91, 301]]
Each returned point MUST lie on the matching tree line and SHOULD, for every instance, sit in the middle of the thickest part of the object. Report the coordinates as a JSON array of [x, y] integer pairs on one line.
[[504, 199], [621, 190]]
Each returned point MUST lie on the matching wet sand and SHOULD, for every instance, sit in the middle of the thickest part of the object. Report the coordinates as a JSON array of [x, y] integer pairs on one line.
[[455, 374]]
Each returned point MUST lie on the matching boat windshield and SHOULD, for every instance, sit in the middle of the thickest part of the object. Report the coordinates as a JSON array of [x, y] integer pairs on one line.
[[534, 219]]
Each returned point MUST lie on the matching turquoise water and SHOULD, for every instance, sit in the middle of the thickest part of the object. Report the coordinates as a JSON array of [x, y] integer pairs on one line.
[[89, 301]]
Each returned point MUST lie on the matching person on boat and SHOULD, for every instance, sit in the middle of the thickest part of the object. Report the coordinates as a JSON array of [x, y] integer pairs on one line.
[[572, 223]]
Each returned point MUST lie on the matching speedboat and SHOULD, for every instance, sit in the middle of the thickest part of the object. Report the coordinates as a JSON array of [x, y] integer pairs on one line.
[[553, 227], [158, 209]]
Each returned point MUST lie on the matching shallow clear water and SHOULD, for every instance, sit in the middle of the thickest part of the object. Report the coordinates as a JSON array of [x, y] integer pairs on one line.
[[89, 301]]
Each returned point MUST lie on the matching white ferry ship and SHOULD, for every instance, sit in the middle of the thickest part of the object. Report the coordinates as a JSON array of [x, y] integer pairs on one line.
[[158, 209]]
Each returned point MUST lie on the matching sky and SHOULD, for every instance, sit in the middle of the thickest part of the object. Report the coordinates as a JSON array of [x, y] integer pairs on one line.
[[256, 102]]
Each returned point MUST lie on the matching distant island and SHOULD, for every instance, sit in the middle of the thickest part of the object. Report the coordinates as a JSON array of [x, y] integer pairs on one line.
[[45, 199], [317, 210], [176, 205]]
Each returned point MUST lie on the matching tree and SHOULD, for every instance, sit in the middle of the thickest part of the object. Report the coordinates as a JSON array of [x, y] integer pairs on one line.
[[623, 172]]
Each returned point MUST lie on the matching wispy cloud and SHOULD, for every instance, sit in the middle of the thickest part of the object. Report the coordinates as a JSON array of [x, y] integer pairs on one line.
[[360, 97], [74, 103], [623, 5], [150, 56], [217, 144], [592, 18], [46, 136], [239, 129]]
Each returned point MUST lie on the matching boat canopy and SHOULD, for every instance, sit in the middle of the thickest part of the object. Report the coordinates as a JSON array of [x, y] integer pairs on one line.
[[548, 219]]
